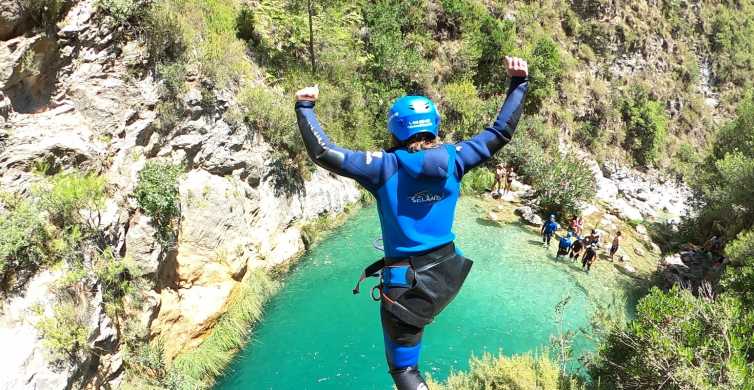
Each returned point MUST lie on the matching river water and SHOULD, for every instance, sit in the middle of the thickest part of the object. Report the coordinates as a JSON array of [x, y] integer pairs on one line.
[[317, 335]]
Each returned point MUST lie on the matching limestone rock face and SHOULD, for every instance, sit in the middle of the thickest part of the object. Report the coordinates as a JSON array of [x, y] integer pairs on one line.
[[28, 67], [27, 365], [12, 19], [72, 100], [690, 269]]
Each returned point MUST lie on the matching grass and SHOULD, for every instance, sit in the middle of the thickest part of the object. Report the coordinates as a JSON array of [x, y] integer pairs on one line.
[[502, 373], [210, 359]]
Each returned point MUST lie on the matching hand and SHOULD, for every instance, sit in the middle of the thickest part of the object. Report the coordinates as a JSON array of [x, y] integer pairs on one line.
[[310, 94], [516, 67]]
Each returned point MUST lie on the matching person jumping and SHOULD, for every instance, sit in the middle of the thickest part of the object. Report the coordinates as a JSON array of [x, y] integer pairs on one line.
[[416, 185]]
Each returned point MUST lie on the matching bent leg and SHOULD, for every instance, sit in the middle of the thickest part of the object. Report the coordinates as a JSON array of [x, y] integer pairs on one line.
[[402, 347]]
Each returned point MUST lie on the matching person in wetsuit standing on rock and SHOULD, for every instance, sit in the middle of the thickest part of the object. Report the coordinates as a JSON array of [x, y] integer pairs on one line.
[[416, 185]]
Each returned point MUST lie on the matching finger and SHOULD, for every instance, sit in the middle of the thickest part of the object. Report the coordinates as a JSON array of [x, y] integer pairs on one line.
[[508, 61]]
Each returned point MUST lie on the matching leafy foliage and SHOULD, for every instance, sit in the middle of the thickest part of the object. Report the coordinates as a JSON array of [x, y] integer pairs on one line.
[[65, 333], [724, 180], [66, 195], [22, 236], [646, 126], [157, 193], [678, 341], [564, 186], [120, 10], [477, 181], [501, 372]]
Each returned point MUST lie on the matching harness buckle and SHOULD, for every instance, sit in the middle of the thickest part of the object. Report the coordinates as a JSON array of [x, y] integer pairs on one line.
[[379, 293]]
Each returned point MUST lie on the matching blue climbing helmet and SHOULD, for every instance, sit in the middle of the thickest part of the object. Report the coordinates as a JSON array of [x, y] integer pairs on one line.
[[411, 115]]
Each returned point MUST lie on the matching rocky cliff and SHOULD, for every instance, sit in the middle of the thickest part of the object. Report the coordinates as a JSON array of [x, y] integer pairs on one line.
[[76, 96]]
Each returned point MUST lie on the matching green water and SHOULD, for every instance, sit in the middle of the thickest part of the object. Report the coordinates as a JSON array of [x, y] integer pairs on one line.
[[317, 335]]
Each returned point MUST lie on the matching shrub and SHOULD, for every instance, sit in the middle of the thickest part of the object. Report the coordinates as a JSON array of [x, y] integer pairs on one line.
[[566, 184], [724, 180], [646, 126], [157, 194], [545, 70], [739, 276], [495, 39], [462, 110], [23, 237], [120, 10], [477, 181], [66, 195], [65, 333], [270, 114], [115, 279], [677, 341], [515, 372]]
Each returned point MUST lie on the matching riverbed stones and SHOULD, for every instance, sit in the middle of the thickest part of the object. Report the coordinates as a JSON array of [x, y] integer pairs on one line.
[[527, 214]]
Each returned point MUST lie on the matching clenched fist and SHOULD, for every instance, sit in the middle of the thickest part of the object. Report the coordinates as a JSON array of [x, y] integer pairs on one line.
[[310, 94], [516, 67]]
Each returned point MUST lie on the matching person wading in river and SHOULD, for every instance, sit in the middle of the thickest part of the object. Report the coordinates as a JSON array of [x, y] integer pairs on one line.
[[416, 185]]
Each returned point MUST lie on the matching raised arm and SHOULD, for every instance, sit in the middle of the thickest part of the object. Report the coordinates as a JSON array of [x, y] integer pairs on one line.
[[365, 167], [478, 149]]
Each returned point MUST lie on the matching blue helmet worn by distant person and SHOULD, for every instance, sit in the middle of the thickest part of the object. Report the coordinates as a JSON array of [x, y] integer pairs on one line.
[[411, 115]]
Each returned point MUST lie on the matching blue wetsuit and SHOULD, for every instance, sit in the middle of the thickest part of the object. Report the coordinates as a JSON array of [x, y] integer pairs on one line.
[[548, 229], [416, 195]]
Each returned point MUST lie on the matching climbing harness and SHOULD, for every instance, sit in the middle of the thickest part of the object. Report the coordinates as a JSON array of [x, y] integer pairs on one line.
[[430, 281]]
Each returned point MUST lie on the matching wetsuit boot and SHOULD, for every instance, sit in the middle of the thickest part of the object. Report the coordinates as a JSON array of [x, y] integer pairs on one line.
[[408, 378]]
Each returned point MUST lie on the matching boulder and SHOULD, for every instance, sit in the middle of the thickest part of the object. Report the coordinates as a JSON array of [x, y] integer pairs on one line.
[[642, 230], [528, 215], [638, 251], [625, 211], [141, 245]]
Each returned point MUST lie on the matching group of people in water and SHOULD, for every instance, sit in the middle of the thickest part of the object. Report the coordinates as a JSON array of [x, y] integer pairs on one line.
[[573, 242]]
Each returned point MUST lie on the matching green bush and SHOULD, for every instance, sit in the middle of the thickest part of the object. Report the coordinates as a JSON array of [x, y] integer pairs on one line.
[[115, 277], [545, 70], [495, 40], [739, 276], [477, 181], [157, 194], [464, 113], [515, 372], [564, 186], [65, 333], [67, 195], [677, 341], [23, 236], [724, 180], [120, 10], [646, 127], [732, 38]]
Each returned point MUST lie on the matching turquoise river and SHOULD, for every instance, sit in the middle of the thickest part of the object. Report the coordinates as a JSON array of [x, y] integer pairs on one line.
[[316, 335]]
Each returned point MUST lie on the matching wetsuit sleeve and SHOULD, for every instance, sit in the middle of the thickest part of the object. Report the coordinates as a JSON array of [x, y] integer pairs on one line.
[[367, 168], [480, 148]]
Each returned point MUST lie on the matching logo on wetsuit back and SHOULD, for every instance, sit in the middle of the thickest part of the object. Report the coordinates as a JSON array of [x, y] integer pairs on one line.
[[425, 197]]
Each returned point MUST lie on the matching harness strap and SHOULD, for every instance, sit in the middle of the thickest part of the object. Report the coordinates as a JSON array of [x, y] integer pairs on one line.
[[369, 271]]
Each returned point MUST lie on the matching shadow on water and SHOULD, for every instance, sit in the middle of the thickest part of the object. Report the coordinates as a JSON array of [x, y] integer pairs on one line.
[[487, 222]]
